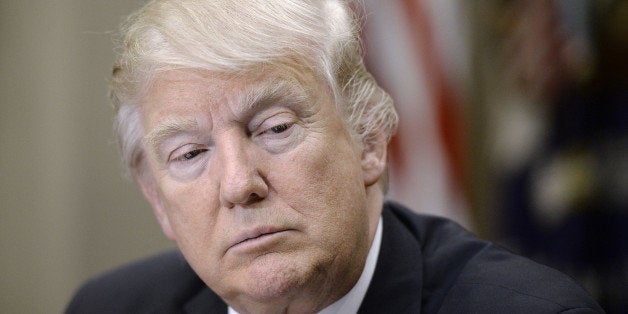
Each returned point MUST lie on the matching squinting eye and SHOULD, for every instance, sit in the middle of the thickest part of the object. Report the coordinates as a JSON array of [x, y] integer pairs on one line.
[[191, 154], [280, 128]]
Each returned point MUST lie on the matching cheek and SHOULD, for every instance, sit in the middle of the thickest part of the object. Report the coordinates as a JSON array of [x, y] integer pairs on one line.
[[192, 210], [326, 189], [322, 182], [186, 199], [193, 193]]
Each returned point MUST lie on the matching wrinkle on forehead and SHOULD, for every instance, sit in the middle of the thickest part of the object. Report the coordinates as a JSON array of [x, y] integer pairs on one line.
[[274, 91], [242, 95], [264, 81], [248, 88]]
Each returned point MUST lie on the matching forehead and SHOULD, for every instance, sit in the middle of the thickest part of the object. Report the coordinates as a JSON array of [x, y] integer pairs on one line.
[[189, 101], [182, 90]]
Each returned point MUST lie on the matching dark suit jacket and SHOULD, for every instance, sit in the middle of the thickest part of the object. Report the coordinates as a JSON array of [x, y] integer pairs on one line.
[[425, 265]]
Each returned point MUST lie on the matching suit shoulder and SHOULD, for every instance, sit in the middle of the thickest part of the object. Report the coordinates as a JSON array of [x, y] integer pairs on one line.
[[463, 273], [497, 280], [162, 282]]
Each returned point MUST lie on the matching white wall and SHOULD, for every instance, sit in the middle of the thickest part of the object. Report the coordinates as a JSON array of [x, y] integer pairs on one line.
[[66, 212]]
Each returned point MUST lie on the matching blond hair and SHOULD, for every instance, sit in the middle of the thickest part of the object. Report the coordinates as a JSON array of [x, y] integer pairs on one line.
[[235, 36]]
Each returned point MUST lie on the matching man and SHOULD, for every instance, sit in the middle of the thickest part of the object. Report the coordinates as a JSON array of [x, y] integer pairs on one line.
[[259, 139]]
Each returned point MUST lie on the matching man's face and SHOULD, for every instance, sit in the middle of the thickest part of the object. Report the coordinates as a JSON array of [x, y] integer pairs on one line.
[[259, 182]]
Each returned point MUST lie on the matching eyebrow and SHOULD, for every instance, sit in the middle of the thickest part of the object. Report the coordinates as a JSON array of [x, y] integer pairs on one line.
[[279, 89], [168, 129]]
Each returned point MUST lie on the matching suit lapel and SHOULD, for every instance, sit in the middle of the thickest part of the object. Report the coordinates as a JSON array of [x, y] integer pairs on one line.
[[397, 282]]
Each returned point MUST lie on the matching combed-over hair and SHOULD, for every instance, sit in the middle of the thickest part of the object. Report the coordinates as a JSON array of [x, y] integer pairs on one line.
[[236, 36]]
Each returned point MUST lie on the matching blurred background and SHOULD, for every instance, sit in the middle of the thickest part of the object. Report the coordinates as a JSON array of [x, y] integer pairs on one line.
[[514, 123]]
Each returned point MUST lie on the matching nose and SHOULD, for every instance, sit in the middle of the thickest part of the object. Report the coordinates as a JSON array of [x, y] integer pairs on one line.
[[241, 182]]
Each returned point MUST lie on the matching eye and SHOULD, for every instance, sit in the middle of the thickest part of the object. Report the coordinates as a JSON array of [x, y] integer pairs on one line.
[[280, 128], [275, 130], [190, 154]]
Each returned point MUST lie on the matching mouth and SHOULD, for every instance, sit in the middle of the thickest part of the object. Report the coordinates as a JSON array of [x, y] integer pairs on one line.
[[258, 238]]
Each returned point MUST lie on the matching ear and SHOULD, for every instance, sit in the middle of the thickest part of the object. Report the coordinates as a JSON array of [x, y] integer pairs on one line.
[[374, 159], [149, 189]]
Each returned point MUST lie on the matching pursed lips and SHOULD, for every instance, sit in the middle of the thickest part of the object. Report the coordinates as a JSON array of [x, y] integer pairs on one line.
[[256, 234]]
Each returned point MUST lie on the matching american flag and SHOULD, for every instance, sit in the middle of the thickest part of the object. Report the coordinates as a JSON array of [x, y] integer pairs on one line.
[[418, 51]]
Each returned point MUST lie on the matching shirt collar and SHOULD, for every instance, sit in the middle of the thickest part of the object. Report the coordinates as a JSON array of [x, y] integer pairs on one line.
[[350, 303]]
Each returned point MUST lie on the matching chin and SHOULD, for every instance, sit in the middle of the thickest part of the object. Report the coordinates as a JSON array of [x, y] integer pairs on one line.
[[276, 278]]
